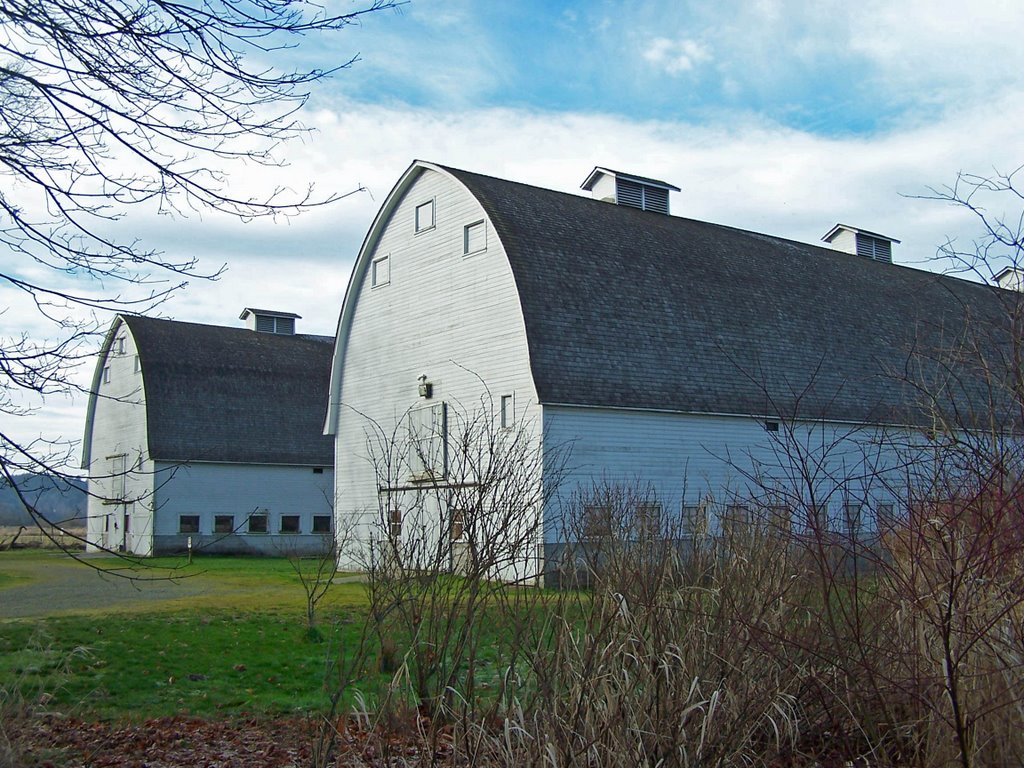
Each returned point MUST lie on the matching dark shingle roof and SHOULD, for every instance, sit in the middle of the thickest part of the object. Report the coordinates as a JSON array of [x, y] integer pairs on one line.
[[627, 308], [233, 395]]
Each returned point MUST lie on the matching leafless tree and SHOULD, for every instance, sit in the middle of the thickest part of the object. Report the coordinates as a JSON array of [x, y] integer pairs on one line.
[[110, 106]]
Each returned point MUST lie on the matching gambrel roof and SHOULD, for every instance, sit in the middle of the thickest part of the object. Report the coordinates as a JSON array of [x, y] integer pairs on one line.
[[632, 309], [217, 394]]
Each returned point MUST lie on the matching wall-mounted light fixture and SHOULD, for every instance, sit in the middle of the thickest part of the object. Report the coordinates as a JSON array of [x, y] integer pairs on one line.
[[426, 388]]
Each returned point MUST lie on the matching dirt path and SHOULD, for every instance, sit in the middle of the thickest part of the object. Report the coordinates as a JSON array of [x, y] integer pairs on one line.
[[54, 584]]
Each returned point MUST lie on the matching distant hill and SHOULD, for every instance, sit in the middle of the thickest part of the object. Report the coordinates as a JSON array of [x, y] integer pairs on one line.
[[60, 500]]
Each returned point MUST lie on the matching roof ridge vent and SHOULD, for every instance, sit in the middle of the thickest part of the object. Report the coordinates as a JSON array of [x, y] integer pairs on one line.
[[629, 190], [269, 321], [861, 242]]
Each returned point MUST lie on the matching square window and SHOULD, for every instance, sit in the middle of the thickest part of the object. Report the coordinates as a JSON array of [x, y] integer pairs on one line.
[[321, 523], [648, 519], [695, 519], [597, 522], [289, 523], [474, 238], [458, 526], [852, 518], [508, 412], [886, 517], [395, 523], [381, 271], [425, 216], [780, 518], [257, 524], [223, 523], [737, 519], [188, 524]]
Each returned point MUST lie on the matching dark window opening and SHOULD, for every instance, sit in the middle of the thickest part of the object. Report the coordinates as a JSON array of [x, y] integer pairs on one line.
[[318, 470], [257, 523], [187, 523], [223, 523], [289, 523], [321, 523]]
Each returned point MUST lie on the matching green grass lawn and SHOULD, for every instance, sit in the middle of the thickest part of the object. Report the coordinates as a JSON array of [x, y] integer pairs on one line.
[[239, 647]]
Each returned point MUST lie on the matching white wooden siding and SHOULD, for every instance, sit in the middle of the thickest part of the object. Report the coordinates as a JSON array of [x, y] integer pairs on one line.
[[686, 459], [119, 429], [239, 490], [451, 317]]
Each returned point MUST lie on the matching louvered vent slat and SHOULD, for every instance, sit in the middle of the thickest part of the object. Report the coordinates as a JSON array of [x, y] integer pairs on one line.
[[656, 200], [629, 193], [874, 248]]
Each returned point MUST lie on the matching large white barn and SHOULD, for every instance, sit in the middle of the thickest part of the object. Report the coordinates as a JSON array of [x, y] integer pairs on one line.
[[634, 346], [209, 433]]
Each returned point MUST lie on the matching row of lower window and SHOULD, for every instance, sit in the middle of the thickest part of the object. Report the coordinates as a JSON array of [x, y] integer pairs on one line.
[[258, 523]]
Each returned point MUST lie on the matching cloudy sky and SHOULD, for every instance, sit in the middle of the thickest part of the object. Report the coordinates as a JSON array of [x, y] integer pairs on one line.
[[779, 117]]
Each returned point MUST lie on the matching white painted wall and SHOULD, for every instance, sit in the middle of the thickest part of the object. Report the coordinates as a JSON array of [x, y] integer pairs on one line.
[[845, 240], [119, 434], [453, 317], [239, 490], [687, 458]]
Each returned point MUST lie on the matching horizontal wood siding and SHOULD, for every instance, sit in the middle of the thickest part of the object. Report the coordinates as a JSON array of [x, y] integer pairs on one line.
[[452, 317], [239, 490], [685, 459], [119, 429]]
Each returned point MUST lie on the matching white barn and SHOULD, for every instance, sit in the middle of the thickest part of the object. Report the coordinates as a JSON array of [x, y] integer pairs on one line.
[[652, 349], [209, 433]]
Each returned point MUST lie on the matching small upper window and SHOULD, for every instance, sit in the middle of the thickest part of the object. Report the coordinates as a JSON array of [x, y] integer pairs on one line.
[[381, 271], [425, 216], [508, 412], [120, 345], [138, 365], [106, 374], [474, 238]]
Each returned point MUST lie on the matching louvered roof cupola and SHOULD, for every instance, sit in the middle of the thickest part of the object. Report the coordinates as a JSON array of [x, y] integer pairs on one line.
[[872, 245], [627, 189], [269, 321]]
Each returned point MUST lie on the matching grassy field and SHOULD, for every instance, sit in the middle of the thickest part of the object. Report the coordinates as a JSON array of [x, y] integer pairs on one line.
[[31, 536], [239, 646]]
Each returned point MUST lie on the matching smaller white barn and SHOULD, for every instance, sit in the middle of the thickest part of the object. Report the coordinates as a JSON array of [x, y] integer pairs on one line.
[[209, 434]]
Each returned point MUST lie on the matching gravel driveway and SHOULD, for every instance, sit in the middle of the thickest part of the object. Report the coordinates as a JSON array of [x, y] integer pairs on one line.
[[57, 584]]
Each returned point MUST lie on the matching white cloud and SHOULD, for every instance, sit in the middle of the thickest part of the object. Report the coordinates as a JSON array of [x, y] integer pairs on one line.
[[676, 56]]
